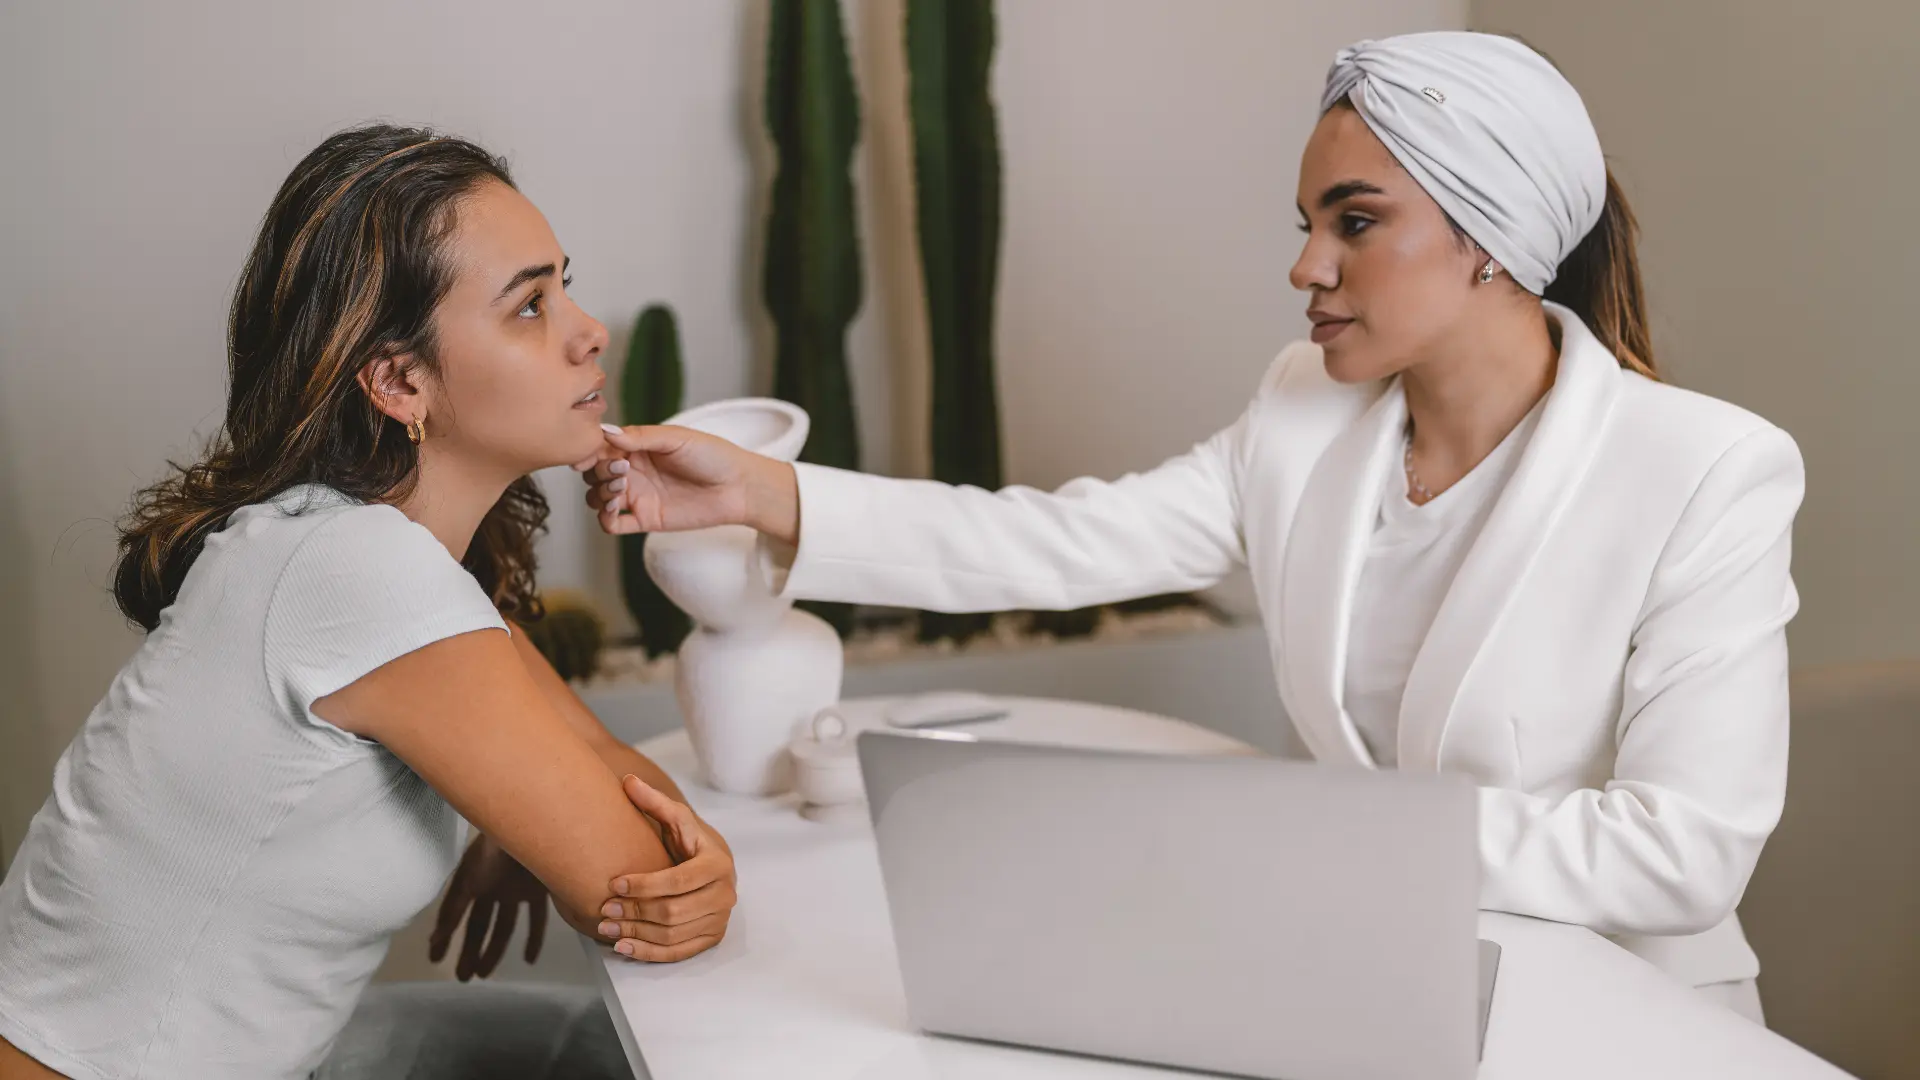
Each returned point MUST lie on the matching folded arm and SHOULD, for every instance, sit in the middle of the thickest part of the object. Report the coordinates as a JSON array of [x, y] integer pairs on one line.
[[619, 758], [1667, 846], [468, 714]]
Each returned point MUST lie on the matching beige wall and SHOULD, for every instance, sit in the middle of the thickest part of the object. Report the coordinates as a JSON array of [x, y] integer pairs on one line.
[[1150, 151], [1771, 151]]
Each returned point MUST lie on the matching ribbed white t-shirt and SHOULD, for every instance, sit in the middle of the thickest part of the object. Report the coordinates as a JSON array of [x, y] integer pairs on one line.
[[1412, 558], [216, 874]]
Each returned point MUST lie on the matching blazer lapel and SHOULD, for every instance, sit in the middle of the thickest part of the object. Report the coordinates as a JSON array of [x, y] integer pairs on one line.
[[1325, 552], [1545, 480]]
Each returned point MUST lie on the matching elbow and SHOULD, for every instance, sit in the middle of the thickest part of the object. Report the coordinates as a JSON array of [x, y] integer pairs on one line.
[[1699, 909], [582, 921], [1684, 868], [1657, 906], [580, 897], [1684, 897], [1617, 863], [581, 910]]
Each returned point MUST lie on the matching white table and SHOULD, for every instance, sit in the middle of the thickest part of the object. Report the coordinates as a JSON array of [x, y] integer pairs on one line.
[[805, 985]]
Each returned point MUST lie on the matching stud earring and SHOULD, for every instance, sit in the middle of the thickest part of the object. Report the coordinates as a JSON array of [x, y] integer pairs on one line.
[[1486, 273]]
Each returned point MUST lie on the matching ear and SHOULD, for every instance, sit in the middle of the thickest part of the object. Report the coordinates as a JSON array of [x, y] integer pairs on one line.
[[394, 387]]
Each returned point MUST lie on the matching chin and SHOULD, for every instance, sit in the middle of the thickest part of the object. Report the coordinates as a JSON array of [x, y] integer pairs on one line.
[[566, 447], [1348, 366], [1353, 360], [585, 446]]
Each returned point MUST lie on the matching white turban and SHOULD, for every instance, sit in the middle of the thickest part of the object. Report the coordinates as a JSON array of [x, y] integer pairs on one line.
[[1487, 126]]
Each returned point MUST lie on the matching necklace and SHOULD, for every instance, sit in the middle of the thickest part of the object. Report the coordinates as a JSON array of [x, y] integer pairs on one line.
[[1413, 478]]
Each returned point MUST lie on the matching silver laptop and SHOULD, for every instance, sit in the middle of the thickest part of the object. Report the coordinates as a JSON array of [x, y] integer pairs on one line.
[[1238, 915]]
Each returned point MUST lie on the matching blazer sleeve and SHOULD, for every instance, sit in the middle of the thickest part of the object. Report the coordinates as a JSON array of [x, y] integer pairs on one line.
[[1700, 770], [938, 547]]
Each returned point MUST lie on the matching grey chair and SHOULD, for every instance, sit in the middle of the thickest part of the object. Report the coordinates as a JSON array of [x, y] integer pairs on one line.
[[1834, 907]]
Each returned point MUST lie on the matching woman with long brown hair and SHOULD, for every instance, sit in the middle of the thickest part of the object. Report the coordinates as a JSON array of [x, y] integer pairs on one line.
[[274, 783], [1485, 538]]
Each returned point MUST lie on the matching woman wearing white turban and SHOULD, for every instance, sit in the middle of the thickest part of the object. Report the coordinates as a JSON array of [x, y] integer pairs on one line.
[[1485, 537]]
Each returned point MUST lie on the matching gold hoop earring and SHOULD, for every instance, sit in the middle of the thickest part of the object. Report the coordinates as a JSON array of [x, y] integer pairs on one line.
[[1486, 273], [417, 430]]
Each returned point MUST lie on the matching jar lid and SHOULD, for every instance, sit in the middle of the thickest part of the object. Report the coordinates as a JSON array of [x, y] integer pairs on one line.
[[826, 741]]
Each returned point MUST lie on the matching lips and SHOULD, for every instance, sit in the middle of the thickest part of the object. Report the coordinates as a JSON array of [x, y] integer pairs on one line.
[[1327, 326], [594, 398]]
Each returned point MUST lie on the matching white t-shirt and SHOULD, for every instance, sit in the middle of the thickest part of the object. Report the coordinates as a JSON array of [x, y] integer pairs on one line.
[[1412, 559], [216, 874]]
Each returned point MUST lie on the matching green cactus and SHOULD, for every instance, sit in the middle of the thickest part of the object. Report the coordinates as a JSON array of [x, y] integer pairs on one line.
[[651, 384], [812, 272], [569, 635], [956, 158], [811, 280], [651, 389]]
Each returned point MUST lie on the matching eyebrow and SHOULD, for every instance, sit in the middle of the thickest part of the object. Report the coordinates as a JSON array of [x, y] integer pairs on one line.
[[530, 273], [1340, 192]]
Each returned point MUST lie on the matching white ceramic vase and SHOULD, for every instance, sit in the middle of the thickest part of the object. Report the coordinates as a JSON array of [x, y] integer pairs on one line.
[[754, 669]]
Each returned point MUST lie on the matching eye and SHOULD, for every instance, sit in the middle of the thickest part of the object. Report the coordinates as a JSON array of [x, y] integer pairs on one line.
[[1304, 227], [567, 282], [1354, 224], [531, 309]]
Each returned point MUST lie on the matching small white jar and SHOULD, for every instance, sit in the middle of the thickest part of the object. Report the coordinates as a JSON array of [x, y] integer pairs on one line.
[[826, 766]]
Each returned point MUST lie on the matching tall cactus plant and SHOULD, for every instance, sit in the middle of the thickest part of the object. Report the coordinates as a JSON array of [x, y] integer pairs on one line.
[[812, 271], [811, 277], [651, 389], [956, 160]]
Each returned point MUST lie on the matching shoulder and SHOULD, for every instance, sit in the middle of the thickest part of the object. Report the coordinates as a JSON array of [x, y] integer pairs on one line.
[[1666, 435], [1692, 434], [354, 535], [312, 523], [353, 553], [363, 585]]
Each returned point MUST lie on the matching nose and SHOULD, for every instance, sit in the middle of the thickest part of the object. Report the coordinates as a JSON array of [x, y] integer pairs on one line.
[[590, 341], [1318, 266]]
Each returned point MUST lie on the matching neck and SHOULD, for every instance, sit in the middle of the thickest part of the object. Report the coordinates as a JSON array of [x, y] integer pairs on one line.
[[450, 499], [1463, 401]]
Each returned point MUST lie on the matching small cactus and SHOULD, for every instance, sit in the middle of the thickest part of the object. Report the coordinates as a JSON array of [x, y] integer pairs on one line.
[[651, 389], [569, 635]]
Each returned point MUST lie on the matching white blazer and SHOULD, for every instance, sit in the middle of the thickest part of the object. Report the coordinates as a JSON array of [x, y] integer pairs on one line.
[[1610, 664]]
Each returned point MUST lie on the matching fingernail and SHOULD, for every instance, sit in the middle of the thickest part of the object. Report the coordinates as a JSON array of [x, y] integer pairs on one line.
[[617, 484], [618, 466], [610, 929], [620, 886], [611, 429], [611, 909], [624, 948]]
